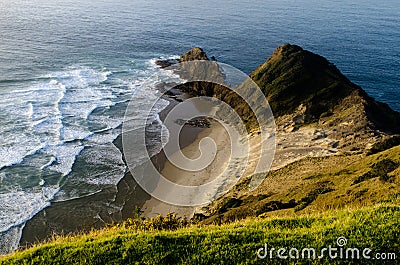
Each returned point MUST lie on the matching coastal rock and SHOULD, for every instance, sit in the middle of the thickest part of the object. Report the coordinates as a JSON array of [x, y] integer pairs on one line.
[[201, 122], [164, 63], [194, 54], [292, 77], [191, 55]]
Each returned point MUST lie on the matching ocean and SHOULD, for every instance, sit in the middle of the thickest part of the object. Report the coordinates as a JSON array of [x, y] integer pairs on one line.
[[68, 69]]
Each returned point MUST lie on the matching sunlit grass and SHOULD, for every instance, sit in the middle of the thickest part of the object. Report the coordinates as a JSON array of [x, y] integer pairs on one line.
[[235, 243]]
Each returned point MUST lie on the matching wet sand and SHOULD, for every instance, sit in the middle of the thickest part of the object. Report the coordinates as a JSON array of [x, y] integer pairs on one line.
[[110, 205]]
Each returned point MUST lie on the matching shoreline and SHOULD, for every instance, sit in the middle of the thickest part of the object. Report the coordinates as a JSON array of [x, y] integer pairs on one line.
[[155, 207], [110, 205], [119, 202], [189, 136]]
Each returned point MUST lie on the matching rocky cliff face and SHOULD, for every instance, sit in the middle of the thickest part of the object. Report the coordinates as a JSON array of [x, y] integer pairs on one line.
[[292, 77], [304, 88]]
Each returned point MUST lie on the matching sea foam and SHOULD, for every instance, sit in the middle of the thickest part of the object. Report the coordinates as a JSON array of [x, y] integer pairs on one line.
[[51, 123]]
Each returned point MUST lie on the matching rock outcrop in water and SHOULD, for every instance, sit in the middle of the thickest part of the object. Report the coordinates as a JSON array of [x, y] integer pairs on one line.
[[194, 54]]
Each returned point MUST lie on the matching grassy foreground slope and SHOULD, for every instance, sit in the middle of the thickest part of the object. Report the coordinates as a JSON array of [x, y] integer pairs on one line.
[[376, 228], [314, 185]]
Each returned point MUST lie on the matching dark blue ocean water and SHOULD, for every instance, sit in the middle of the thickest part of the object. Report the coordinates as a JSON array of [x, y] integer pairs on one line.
[[361, 37], [67, 68]]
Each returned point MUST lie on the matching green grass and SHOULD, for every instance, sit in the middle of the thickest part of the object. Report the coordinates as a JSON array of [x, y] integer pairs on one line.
[[313, 185], [236, 243]]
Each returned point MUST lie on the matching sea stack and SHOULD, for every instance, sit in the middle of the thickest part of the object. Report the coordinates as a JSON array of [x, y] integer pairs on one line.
[[193, 55]]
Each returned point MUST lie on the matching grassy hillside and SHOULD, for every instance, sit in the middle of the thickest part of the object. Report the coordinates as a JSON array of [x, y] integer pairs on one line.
[[314, 185], [376, 228], [292, 77]]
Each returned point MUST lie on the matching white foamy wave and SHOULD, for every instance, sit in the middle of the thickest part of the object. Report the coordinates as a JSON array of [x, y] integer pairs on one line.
[[108, 121], [14, 152], [80, 103], [74, 132], [9, 240], [106, 136], [19, 206], [36, 113], [151, 101], [64, 155], [106, 155], [80, 76], [30, 111], [104, 167], [51, 122], [30, 121]]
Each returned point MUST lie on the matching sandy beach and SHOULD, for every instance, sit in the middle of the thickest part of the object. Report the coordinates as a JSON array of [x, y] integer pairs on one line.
[[290, 147], [188, 178]]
